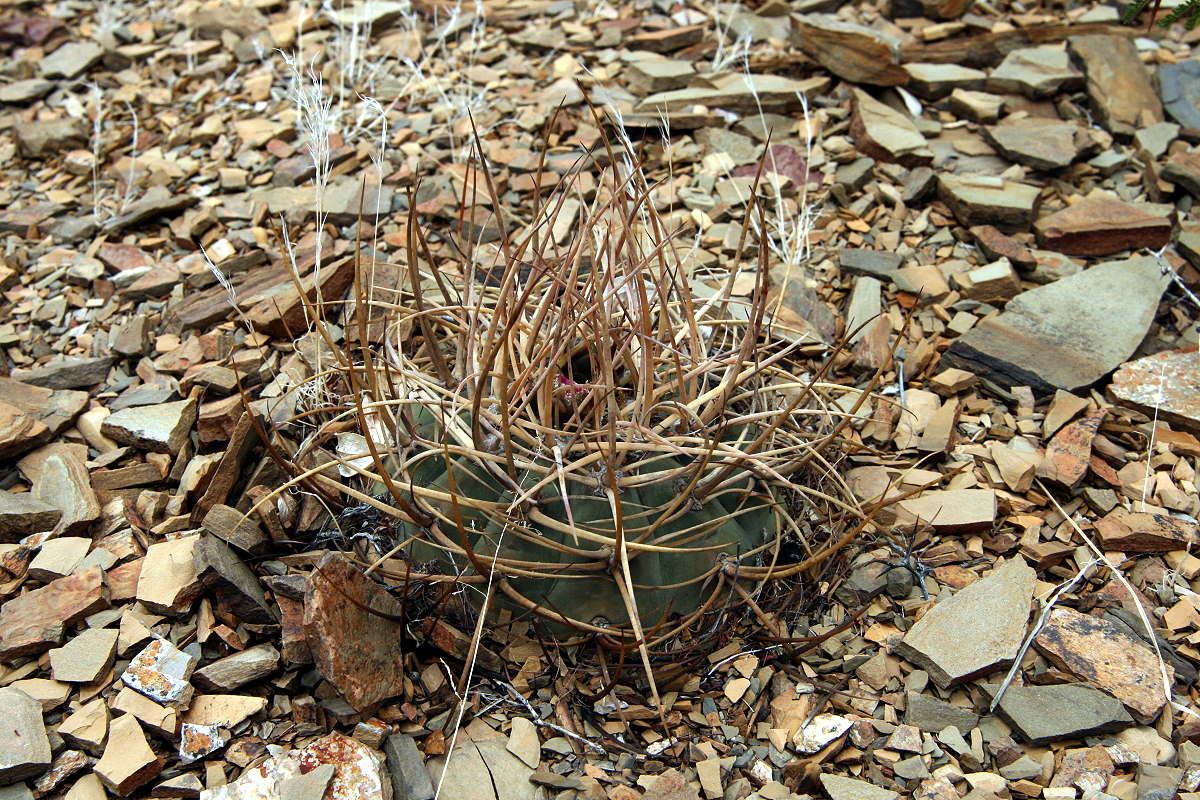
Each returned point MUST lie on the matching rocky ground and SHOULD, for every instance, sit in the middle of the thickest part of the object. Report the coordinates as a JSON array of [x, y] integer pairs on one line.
[[1021, 178]]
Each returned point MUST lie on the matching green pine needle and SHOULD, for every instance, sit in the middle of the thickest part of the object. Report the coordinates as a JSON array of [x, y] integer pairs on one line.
[[1188, 13]]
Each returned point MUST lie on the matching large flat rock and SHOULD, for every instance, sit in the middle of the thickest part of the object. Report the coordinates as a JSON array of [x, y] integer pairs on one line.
[[976, 630], [1067, 334], [1067, 711]]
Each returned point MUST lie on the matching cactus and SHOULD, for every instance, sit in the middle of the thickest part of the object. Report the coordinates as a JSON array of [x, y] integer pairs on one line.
[[601, 436]]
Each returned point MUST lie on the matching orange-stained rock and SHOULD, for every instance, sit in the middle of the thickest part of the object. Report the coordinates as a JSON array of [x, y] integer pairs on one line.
[[35, 621], [354, 647], [1069, 452], [1135, 532], [1106, 656], [1164, 384]]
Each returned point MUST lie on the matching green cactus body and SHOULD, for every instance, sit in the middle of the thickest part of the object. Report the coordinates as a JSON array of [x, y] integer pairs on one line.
[[571, 573]]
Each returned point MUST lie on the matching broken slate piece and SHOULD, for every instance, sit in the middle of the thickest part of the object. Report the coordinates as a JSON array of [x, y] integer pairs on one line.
[[1106, 656], [23, 514], [843, 788], [1136, 532], [36, 621], [161, 428], [935, 81], [1067, 334], [356, 650], [1162, 385], [63, 483], [1046, 144], [168, 581], [855, 53], [954, 510], [228, 673], [161, 672], [1067, 455], [1101, 224], [410, 779], [977, 630], [1068, 711], [931, 714], [58, 557], [238, 529], [157, 200], [128, 762], [1036, 72], [56, 409], [988, 200], [67, 373], [230, 581], [885, 134], [1118, 84], [1179, 89], [86, 657], [873, 263], [71, 60], [25, 750]]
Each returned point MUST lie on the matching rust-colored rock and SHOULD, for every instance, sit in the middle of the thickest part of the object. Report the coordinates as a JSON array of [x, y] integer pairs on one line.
[[1100, 225], [997, 245], [1165, 384], [354, 632], [1134, 532], [1106, 656], [36, 621], [1069, 452]]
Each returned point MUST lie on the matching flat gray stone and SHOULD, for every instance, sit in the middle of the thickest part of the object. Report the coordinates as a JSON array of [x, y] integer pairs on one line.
[[43, 138], [161, 428], [1067, 334], [71, 60], [1155, 139], [410, 778], [228, 673], [1067, 711], [1179, 90], [988, 200], [157, 201], [1035, 72], [935, 81], [975, 631], [1039, 143], [24, 748], [23, 514], [1118, 84], [232, 582], [25, 91], [67, 373], [931, 714], [842, 788], [885, 134], [876, 263]]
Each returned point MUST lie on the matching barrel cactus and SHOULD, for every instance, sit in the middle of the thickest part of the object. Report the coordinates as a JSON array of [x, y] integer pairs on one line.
[[601, 435]]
